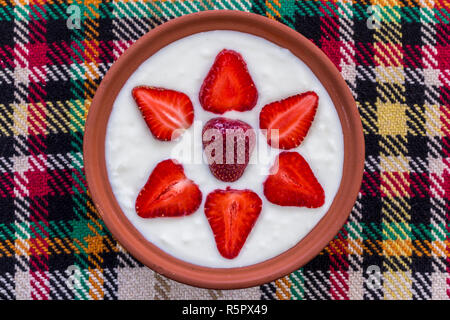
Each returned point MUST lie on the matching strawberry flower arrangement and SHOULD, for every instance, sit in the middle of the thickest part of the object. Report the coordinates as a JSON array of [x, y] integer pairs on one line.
[[228, 145]]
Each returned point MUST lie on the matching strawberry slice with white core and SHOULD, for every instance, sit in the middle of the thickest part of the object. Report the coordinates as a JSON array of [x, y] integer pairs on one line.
[[232, 214], [292, 183], [168, 193], [228, 85], [291, 117], [167, 112]]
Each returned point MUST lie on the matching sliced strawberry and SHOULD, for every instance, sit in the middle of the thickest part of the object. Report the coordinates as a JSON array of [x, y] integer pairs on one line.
[[228, 145], [166, 112], [292, 117], [168, 193], [228, 85], [232, 214], [292, 183]]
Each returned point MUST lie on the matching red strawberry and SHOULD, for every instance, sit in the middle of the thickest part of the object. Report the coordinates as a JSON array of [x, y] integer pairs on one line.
[[228, 85], [228, 164], [168, 193], [292, 183], [232, 214], [166, 112], [292, 117]]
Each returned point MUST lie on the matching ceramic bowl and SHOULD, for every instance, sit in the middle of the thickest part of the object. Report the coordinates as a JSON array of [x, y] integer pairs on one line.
[[162, 262]]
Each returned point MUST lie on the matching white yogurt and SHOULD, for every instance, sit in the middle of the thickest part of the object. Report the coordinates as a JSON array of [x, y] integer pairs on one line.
[[132, 152]]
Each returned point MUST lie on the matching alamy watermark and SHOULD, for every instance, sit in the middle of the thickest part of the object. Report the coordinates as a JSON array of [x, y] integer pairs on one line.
[[230, 146], [74, 277], [374, 20], [373, 281], [74, 19]]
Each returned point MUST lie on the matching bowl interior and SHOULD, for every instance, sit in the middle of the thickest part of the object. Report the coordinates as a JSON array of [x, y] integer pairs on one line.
[[152, 256]]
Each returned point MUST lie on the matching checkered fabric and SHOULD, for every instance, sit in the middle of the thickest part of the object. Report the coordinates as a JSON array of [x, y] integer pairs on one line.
[[395, 57]]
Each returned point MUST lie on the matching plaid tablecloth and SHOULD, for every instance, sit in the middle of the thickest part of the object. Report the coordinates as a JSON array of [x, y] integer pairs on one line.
[[394, 55]]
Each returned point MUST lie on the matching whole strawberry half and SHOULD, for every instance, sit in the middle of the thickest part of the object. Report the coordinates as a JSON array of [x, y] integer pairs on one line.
[[292, 117], [232, 214], [166, 112], [168, 193], [228, 85], [228, 145], [292, 183]]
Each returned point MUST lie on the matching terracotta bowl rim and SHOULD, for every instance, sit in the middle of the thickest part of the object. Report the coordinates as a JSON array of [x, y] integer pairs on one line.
[[157, 259]]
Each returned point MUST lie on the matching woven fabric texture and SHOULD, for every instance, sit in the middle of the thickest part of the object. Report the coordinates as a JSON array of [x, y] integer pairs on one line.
[[395, 57]]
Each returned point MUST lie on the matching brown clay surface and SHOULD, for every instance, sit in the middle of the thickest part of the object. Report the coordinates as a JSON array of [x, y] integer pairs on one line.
[[152, 256]]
